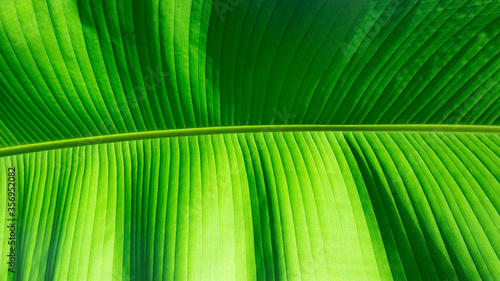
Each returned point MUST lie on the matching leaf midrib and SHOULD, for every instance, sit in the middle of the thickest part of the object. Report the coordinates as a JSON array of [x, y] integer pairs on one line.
[[35, 147]]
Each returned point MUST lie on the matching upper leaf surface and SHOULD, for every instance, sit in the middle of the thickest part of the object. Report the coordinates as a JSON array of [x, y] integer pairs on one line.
[[73, 69]]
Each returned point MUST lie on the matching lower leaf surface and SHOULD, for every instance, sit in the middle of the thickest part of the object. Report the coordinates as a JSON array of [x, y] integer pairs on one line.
[[270, 205]]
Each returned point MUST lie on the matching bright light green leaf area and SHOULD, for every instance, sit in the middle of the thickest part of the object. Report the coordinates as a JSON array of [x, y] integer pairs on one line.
[[312, 206], [148, 142]]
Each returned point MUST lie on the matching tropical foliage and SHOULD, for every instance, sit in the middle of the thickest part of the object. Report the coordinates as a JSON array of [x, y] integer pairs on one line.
[[251, 139]]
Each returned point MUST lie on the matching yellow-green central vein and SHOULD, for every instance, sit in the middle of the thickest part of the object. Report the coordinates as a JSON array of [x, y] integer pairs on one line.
[[242, 129]]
